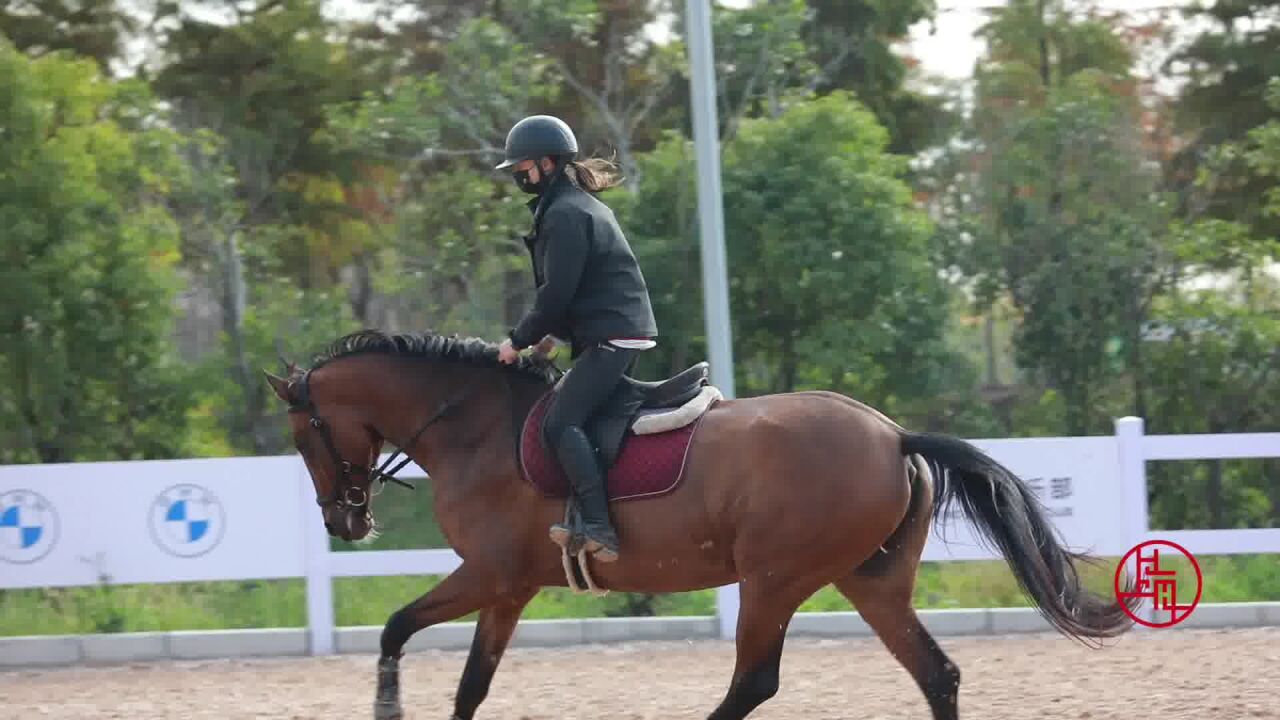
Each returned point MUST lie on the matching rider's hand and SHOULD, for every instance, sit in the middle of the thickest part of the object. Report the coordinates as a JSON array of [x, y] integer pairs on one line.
[[507, 353], [545, 346]]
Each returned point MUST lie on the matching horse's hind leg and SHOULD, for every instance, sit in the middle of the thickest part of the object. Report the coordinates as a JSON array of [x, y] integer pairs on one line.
[[888, 611], [881, 590], [767, 607]]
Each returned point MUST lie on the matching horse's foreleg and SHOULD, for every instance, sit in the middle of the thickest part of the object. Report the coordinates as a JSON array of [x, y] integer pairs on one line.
[[493, 632], [464, 591]]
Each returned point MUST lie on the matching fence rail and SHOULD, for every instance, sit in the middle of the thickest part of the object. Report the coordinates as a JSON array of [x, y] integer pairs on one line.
[[255, 518]]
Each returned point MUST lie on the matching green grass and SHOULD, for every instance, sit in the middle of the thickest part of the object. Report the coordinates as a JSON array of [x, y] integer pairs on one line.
[[368, 601]]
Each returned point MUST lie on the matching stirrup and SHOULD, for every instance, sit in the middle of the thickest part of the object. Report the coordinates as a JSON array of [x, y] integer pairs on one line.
[[573, 548], [599, 550], [561, 535]]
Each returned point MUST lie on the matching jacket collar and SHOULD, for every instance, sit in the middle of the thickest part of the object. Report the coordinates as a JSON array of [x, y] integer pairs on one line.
[[538, 205]]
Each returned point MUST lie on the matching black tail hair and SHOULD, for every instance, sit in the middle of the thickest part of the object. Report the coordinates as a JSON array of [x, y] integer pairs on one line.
[[1010, 517]]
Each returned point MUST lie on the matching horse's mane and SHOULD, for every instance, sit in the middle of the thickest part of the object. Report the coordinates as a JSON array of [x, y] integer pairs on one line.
[[446, 348]]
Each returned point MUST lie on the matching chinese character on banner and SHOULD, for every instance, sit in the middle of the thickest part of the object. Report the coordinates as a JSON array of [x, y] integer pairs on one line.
[[1037, 486], [1060, 488]]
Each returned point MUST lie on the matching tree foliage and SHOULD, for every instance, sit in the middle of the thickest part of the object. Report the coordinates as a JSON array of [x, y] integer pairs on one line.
[[87, 281], [829, 275], [1226, 71]]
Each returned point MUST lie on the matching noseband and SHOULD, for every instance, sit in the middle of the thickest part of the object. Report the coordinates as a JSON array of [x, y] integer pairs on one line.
[[346, 494]]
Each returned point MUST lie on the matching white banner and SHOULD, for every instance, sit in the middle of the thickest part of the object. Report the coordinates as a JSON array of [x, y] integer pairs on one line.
[[1077, 479], [155, 521], [243, 518]]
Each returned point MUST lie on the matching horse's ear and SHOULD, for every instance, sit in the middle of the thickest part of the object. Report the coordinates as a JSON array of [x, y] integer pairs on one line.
[[279, 385], [289, 366]]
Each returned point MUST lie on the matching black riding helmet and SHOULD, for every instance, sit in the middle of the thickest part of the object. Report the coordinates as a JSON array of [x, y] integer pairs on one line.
[[536, 136]]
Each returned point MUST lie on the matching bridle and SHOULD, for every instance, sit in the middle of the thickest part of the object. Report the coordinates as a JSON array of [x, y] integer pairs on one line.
[[346, 494]]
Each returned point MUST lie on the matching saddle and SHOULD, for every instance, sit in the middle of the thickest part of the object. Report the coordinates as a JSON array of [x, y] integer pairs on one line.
[[659, 419], [648, 407]]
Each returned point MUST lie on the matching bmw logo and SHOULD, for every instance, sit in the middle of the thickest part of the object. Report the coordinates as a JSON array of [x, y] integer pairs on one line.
[[28, 526], [187, 520]]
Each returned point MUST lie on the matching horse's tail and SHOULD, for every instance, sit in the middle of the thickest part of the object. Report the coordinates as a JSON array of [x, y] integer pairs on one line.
[[1009, 515]]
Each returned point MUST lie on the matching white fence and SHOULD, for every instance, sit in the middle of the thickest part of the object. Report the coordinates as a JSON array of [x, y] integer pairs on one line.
[[256, 518]]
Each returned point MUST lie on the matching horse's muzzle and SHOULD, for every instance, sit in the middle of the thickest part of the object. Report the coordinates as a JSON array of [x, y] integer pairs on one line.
[[350, 524]]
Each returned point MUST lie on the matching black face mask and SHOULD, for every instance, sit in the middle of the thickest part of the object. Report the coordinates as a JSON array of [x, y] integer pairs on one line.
[[527, 185]]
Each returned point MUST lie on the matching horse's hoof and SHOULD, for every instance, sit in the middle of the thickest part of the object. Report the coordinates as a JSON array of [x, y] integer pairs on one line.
[[387, 711]]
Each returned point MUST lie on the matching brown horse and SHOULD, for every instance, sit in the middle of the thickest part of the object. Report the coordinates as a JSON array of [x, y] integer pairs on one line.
[[782, 494]]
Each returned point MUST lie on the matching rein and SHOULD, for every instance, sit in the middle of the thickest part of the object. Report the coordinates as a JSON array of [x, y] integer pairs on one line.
[[346, 494]]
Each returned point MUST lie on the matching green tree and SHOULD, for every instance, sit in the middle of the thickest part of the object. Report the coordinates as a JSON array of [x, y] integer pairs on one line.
[[90, 28], [851, 45], [450, 254], [1261, 152], [1225, 72], [761, 56], [455, 262], [1059, 211], [87, 278], [1214, 354], [263, 84], [614, 72], [274, 197], [830, 278]]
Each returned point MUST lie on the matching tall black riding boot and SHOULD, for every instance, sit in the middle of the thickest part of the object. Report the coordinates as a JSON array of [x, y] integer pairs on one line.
[[581, 464]]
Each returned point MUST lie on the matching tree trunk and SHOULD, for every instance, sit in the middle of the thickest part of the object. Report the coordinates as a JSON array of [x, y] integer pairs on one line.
[[1213, 494], [989, 340], [233, 307], [787, 369], [1136, 361], [1044, 45], [515, 284], [1213, 489], [42, 430], [627, 162], [1077, 411], [361, 292], [1271, 468]]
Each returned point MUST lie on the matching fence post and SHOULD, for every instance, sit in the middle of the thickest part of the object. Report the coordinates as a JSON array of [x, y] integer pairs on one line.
[[1133, 478], [320, 621], [727, 603]]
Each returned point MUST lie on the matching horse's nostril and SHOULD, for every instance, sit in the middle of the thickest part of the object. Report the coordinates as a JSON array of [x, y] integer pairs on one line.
[[328, 528]]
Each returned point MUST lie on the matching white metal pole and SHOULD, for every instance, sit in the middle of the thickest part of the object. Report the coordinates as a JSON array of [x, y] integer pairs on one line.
[[706, 142], [715, 286]]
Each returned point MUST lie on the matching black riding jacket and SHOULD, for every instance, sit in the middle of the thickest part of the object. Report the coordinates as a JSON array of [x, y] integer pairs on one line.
[[590, 288]]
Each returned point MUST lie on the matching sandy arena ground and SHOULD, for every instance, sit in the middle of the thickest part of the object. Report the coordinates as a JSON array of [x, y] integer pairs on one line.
[[1166, 675]]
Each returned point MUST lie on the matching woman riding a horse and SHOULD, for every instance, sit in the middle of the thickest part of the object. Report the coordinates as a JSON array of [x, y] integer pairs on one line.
[[778, 494], [590, 292]]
